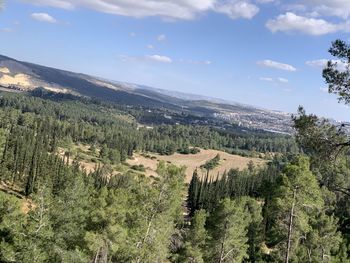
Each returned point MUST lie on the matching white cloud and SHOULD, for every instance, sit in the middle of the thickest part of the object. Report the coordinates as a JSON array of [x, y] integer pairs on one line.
[[43, 17], [322, 63], [161, 38], [283, 80], [265, 1], [237, 9], [295, 7], [196, 62], [338, 8], [317, 8], [275, 80], [64, 4], [291, 22], [150, 46], [162, 59], [266, 79], [277, 65], [132, 34], [169, 9], [158, 58], [147, 58]]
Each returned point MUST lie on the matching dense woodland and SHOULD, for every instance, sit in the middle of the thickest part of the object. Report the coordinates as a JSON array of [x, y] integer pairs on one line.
[[294, 209]]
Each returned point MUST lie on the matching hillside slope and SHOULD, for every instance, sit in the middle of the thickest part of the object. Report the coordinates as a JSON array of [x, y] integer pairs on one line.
[[24, 76]]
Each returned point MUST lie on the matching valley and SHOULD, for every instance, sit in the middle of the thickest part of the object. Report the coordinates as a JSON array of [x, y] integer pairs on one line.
[[84, 159], [162, 131], [23, 76]]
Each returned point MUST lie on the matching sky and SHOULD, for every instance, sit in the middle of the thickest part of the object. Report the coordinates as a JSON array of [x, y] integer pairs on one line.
[[266, 53]]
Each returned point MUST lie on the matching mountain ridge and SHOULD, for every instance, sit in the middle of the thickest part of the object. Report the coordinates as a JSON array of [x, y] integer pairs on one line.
[[26, 76]]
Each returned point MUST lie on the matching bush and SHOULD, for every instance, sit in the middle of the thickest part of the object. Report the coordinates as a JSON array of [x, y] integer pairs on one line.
[[139, 167]]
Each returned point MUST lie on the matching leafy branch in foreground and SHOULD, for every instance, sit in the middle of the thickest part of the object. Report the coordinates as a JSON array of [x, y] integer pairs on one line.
[[318, 136], [337, 72]]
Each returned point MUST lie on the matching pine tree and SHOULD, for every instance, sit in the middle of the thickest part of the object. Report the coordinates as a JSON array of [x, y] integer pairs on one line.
[[11, 227], [160, 208], [322, 239], [255, 229], [228, 228], [70, 214], [196, 240], [296, 199], [35, 242], [106, 233], [194, 192]]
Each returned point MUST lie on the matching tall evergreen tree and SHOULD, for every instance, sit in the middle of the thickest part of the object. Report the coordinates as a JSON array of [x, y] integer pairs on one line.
[[228, 228], [296, 205], [196, 240]]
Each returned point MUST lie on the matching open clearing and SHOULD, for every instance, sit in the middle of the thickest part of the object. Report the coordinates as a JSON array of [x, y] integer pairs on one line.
[[193, 161], [89, 161], [19, 79]]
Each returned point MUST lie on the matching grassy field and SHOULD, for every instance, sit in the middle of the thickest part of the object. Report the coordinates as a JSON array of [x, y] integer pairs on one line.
[[149, 161], [193, 161]]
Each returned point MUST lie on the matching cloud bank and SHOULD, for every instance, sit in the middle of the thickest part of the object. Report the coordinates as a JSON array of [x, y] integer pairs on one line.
[[180, 9]]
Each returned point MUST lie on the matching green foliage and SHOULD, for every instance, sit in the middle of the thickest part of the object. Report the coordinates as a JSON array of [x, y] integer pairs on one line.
[[211, 164], [80, 120], [127, 219], [299, 225], [139, 167], [255, 232], [318, 138], [11, 220], [328, 149], [187, 150], [206, 193], [322, 240], [159, 210], [38, 233], [197, 236], [228, 227], [337, 78], [53, 211]]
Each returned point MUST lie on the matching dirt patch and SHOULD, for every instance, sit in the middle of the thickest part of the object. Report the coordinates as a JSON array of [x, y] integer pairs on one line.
[[194, 161], [27, 205], [19, 79], [5, 70], [84, 165]]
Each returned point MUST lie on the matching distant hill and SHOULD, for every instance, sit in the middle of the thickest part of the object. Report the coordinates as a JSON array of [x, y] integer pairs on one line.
[[24, 76]]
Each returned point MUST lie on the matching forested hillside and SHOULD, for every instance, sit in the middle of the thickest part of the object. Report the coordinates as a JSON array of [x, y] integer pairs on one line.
[[55, 211], [296, 208]]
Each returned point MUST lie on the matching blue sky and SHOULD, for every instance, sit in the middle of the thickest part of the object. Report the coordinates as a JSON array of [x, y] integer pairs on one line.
[[267, 53]]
